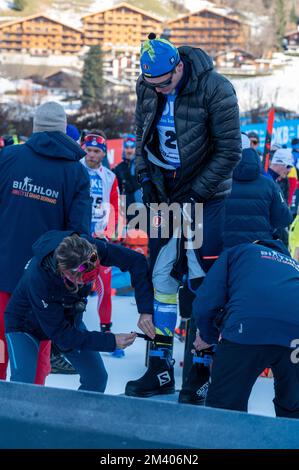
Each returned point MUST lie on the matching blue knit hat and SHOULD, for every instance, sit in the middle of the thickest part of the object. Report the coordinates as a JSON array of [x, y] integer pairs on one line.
[[129, 141], [73, 132], [158, 57]]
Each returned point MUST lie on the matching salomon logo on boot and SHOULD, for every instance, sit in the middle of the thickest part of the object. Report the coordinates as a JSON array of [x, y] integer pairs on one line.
[[203, 391], [194, 397], [164, 378], [196, 384]]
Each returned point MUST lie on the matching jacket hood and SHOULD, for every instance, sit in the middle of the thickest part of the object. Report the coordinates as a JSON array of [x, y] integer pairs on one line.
[[201, 61], [249, 167], [48, 242], [276, 245], [56, 145]]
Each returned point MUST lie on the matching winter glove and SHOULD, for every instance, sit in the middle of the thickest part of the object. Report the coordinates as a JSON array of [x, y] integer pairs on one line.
[[149, 192]]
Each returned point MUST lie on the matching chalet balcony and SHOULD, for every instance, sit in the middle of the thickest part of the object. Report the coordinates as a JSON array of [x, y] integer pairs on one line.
[[94, 36], [89, 27], [14, 39], [71, 41], [10, 45], [93, 21]]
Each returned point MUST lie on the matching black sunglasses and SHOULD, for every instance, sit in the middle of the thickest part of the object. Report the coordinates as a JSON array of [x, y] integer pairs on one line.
[[164, 84]]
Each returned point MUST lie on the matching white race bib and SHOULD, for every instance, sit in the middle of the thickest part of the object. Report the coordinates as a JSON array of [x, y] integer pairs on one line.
[[167, 135]]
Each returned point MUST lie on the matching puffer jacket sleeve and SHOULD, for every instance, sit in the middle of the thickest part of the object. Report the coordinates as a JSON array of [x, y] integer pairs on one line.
[[140, 162], [224, 129]]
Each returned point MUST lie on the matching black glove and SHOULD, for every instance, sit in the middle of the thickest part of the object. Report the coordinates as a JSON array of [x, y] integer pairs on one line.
[[149, 192]]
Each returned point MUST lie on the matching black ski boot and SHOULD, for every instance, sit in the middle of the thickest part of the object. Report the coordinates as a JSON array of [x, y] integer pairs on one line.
[[106, 327], [159, 377], [196, 383]]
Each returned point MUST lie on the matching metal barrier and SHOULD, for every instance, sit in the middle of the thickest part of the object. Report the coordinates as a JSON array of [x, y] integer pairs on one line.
[[34, 417]]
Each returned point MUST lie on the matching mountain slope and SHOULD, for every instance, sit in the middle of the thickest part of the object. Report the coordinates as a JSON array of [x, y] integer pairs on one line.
[[164, 8]]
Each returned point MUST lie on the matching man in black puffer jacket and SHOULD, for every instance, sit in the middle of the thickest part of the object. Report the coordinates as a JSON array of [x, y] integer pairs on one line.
[[188, 143]]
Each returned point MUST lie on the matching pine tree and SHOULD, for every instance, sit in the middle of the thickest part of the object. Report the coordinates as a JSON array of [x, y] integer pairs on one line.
[[293, 14], [19, 5], [267, 4], [280, 20], [92, 82]]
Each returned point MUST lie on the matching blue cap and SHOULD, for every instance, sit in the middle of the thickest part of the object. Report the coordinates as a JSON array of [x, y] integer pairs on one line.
[[158, 57]]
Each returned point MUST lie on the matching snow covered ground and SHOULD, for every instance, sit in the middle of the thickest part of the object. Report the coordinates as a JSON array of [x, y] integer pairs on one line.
[[132, 365], [280, 88], [98, 5], [4, 5], [196, 5], [6, 85]]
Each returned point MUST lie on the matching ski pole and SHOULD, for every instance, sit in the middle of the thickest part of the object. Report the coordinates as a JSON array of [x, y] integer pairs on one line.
[[158, 338]]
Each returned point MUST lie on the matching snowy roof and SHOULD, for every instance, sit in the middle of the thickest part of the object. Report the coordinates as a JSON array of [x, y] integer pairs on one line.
[[202, 10], [38, 15], [14, 71], [71, 72], [235, 49], [125, 5], [115, 81], [292, 33]]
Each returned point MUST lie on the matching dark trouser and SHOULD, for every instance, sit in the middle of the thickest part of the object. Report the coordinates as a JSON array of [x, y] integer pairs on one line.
[[236, 368], [23, 354]]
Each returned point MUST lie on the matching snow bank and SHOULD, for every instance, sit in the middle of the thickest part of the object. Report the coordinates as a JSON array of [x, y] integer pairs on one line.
[[98, 5], [5, 5], [280, 88], [6, 85]]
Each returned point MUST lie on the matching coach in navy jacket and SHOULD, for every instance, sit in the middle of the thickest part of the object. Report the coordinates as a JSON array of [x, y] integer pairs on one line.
[[250, 296], [256, 206], [43, 186], [246, 294]]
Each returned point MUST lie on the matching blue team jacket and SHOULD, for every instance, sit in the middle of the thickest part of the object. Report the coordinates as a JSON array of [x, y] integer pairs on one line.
[[43, 186], [250, 295]]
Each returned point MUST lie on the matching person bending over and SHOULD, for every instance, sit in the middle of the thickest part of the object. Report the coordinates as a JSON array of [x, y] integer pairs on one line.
[[49, 301]]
